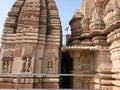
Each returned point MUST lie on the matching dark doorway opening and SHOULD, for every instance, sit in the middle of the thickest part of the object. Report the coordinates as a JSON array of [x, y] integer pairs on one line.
[[66, 68]]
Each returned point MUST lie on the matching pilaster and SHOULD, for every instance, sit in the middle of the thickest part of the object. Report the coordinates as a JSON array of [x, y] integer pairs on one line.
[[113, 38], [103, 63], [82, 64]]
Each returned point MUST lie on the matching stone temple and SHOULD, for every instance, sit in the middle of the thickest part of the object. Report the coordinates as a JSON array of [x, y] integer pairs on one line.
[[31, 44]]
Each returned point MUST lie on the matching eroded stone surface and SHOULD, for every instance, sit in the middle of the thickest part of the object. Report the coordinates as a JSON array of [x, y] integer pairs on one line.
[[31, 29], [98, 27]]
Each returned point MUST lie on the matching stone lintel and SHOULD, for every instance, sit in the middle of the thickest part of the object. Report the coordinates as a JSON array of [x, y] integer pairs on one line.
[[78, 48]]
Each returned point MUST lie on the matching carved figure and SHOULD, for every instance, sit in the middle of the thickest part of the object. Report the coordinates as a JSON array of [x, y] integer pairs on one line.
[[26, 64], [7, 60]]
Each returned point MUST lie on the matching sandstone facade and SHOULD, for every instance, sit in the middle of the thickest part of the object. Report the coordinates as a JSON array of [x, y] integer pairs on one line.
[[95, 33], [31, 43]]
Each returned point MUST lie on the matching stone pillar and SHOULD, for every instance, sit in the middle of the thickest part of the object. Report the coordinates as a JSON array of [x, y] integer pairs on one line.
[[114, 39], [76, 59], [82, 64], [76, 67], [103, 63]]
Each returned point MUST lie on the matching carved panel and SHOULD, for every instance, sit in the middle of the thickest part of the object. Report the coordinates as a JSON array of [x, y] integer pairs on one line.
[[29, 23], [26, 66], [19, 3], [7, 66], [29, 18], [28, 50], [8, 55], [32, 3], [31, 8], [15, 9], [51, 62], [11, 19], [7, 60], [8, 46], [112, 11], [30, 29], [51, 59], [8, 29]]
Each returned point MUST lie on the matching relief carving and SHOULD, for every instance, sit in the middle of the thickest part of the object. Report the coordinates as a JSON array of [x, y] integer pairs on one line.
[[33, 18], [28, 50], [97, 17], [26, 66], [7, 61], [8, 29], [51, 63], [8, 46], [15, 9], [18, 3], [50, 66], [50, 58], [29, 30], [11, 19], [31, 8], [32, 3], [112, 10]]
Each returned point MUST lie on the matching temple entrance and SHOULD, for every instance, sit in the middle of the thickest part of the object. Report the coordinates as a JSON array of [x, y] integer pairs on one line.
[[66, 68]]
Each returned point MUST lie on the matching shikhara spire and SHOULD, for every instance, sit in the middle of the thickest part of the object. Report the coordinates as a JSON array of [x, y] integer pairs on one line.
[[31, 41], [31, 30]]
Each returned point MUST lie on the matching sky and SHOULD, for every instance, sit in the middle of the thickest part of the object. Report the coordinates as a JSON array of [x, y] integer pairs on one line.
[[66, 9]]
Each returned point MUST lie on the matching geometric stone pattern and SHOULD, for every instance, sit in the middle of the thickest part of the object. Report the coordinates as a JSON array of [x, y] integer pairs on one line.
[[30, 28], [8, 56], [31, 43]]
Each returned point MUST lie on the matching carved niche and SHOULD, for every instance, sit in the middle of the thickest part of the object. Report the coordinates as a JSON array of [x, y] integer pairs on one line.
[[51, 58], [28, 50], [26, 66], [7, 61], [51, 62]]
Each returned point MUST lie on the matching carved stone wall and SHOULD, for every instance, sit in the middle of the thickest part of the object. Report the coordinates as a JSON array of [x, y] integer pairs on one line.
[[100, 28], [83, 63], [112, 12], [114, 39], [31, 28], [51, 61]]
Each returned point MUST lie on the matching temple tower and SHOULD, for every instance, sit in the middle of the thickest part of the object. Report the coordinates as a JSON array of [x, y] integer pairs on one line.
[[94, 46], [31, 39]]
